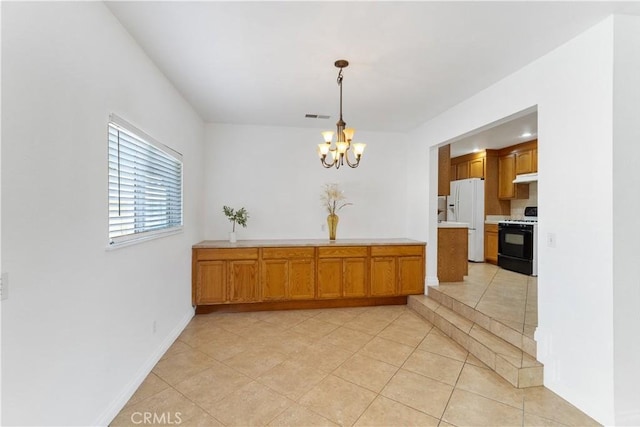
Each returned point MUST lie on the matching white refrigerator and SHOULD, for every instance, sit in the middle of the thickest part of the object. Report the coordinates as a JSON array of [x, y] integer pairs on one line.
[[466, 204]]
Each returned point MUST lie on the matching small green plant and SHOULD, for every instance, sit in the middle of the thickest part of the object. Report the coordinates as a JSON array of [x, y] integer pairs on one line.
[[236, 217]]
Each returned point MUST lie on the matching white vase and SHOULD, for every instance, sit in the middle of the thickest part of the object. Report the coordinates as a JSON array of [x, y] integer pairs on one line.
[[232, 237]]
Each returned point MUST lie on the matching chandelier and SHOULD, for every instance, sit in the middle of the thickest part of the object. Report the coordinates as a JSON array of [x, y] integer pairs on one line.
[[340, 151]]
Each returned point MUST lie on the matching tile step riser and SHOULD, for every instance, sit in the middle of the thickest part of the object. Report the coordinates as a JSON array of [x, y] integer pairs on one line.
[[513, 337], [518, 377]]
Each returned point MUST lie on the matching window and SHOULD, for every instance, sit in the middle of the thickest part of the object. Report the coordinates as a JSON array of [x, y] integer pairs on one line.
[[145, 185]]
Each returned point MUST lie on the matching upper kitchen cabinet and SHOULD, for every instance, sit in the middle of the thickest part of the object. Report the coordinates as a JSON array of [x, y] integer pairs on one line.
[[476, 168], [527, 161], [444, 170], [468, 166], [516, 160]]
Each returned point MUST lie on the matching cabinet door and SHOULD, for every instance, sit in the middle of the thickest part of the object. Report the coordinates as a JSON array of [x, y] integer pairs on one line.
[[524, 162], [354, 279], [275, 276], [444, 168], [243, 281], [211, 282], [411, 275], [329, 278], [491, 247], [506, 175], [476, 168], [462, 170], [534, 155], [383, 276], [302, 279]]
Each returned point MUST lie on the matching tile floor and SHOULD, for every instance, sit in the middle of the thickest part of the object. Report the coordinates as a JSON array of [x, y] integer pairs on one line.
[[370, 366], [509, 297]]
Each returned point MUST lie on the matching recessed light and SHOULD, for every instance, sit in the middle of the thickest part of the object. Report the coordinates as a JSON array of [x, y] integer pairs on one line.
[[526, 135], [476, 150]]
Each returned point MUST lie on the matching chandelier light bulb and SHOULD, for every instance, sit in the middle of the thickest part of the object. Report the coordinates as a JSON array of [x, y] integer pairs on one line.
[[328, 136]]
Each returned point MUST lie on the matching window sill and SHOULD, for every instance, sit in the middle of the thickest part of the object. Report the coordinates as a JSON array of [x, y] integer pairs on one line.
[[148, 236]]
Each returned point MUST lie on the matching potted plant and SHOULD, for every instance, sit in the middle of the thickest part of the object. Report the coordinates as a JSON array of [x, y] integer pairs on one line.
[[334, 200], [236, 217]]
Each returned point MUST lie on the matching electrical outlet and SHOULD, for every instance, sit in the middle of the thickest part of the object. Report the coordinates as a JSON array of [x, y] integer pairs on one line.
[[551, 240], [4, 286], [155, 326], [323, 227]]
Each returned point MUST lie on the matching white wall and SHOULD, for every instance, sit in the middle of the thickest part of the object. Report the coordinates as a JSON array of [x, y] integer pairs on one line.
[[276, 174], [626, 205], [572, 87], [77, 327]]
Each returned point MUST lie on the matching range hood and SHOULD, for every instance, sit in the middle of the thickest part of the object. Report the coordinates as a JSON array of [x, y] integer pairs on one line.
[[526, 177]]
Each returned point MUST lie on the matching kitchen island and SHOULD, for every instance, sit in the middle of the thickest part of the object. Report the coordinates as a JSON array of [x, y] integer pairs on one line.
[[289, 274], [453, 251]]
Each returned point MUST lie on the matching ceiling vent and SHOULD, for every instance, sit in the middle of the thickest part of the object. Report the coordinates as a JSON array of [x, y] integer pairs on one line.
[[317, 116]]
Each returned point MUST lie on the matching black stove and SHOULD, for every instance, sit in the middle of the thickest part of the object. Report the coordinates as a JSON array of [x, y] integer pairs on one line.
[[517, 243]]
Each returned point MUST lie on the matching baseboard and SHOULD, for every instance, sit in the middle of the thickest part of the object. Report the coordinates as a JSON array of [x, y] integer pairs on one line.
[[118, 403], [432, 281]]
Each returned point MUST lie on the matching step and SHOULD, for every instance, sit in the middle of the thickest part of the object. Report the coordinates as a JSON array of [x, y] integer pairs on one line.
[[510, 362], [501, 329]]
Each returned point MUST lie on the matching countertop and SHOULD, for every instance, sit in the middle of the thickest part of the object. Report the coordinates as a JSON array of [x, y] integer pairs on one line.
[[451, 224], [495, 219], [209, 244]]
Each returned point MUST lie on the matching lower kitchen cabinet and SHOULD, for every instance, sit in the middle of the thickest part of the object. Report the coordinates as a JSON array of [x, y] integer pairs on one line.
[[288, 273], [397, 270], [453, 251], [383, 276], [342, 272], [243, 281], [211, 282], [411, 271], [226, 275], [312, 274], [491, 243]]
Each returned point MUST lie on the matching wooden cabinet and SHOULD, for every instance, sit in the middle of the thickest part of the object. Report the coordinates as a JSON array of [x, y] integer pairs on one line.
[[444, 169], [397, 270], [305, 275], [288, 273], [462, 170], [516, 160], [211, 282], [226, 276], [524, 162], [476, 168], [491, 243], [506, 174], [411, 275], [342, 272], [453, 244], [468, 166]]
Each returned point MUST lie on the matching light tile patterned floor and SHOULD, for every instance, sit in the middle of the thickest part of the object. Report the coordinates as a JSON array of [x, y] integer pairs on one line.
[[371, 366], [509, 297]]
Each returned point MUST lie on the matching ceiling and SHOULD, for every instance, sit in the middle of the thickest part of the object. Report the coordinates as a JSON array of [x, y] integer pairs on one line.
[[270, 63], [520, 127]]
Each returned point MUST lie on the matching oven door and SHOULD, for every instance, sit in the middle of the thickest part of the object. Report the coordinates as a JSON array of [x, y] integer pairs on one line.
[[516, 241]]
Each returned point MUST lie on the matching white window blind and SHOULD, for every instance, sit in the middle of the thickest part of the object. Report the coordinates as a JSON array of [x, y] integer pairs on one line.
[[145, 185]]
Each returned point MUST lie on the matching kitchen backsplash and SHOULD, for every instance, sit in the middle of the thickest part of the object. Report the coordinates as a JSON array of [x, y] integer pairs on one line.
[[517, 206]]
